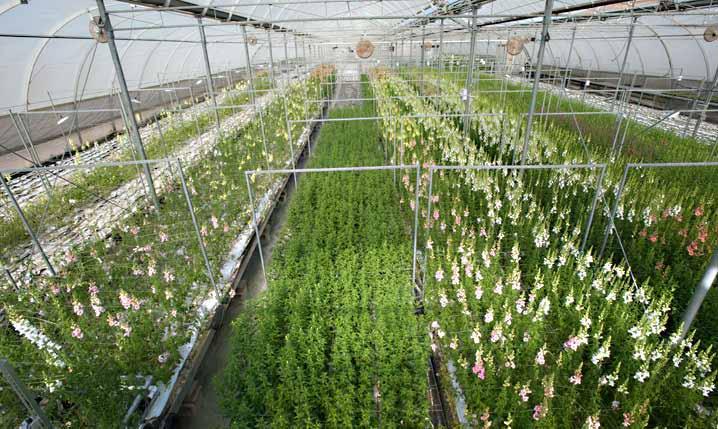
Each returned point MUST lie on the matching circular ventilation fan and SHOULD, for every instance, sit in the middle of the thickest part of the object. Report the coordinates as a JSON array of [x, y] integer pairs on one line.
[[97, 30], [428, 44], [252, 40], [364, 49], [515, 45], [711, 33]]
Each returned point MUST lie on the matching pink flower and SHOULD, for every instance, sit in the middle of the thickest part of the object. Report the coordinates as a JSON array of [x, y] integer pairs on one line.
[[412, 204], [215, 222], [572, 343], [524, 393], [93, 290], [538, 412], [479, 370], [78, 308], [70, 257], [653, 238], [135, 230], [77, 332], [164, 237], [125, 300], [226, 228], [439, 275], [698, 211], [576, 377], [203, 231], [436, 214], [702, 233], [692, 248], [168, 276], [627, 419]]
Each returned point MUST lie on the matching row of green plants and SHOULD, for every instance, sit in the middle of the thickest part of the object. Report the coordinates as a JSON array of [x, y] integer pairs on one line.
[[540, 333], [667, 218], [94, 184], [122, 307], [334, 341]]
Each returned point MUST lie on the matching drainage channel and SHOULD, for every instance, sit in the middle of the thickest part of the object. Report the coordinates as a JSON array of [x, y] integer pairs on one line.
[[201, 410]]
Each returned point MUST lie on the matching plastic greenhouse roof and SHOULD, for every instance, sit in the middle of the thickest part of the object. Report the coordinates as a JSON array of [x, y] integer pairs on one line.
[[71, 66]]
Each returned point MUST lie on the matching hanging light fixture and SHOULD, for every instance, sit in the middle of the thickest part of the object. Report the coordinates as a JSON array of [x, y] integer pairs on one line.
[[62, 120]]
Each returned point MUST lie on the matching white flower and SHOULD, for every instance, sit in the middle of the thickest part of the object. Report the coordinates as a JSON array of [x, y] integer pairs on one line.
[[489, 316], [641, 375]]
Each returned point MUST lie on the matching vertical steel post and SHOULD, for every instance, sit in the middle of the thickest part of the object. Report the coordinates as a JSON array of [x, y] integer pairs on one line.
[[22, 393], [470, 73], [625, 59], [255, 223], [706, 103], [439, 53], [202, 248], [564, 80], [614, 210], [539, 61], [290, 139], [208, 74], [250, 81], [416, 224], [700, 293], [26, 224], [127, 101], [423, 59], [271, 59], [29, 147], [596, 197], [286, 55]]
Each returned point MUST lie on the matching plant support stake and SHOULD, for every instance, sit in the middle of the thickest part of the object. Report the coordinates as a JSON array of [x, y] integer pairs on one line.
[[700, 293], [127, 101], [534, 89]]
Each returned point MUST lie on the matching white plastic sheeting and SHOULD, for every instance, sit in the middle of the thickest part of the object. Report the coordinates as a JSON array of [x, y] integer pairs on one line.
[[76, 68]]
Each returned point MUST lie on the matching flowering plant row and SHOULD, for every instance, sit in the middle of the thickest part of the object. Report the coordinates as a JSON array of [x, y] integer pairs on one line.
[[334, 341], [123, 307], [95, 184], [667, 219], [539, 333]]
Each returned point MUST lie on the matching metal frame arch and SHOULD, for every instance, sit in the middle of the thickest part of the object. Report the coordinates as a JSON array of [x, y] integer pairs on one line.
[[665, 48], [190, 33], [150, 56], [695, 39], [37, 53]]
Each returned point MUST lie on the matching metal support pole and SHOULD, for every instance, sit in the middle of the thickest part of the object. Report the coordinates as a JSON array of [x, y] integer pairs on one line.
[[470, 73], [208, 74], [539, 61], [127, 101], [26, 224], [700, 293], [709, 97], [439, 53], [255, 223], [596, 197], [423, 59], [250, 81], [286, 55], [21, 391], [29, 147], [614, 209], [416, 223], [271, 60], [197, 229], [625, 59]]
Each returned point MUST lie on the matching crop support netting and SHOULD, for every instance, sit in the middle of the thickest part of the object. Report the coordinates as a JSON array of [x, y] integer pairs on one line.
[[522, 252]]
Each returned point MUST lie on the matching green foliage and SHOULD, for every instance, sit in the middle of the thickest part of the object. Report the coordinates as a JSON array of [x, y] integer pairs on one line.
[[334, 341]]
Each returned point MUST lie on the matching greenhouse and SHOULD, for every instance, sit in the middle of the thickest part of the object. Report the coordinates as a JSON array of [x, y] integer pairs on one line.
[[358, 213]]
